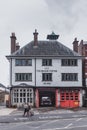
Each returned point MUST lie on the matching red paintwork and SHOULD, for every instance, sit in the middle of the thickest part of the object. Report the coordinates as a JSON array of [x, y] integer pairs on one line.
[[56, 98], [37, 98], [69, 99]]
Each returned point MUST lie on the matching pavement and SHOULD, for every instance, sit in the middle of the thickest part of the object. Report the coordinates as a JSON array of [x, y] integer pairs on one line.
[[6, 111], [14, 115]]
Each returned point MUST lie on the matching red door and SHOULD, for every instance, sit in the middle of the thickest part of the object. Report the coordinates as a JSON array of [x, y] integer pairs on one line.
[[69, 98]]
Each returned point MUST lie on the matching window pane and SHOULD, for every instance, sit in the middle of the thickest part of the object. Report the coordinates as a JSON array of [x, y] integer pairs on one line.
[[23, 62], [46, 62], [69, 76], [23, 76], [69, 62], [46, 76]]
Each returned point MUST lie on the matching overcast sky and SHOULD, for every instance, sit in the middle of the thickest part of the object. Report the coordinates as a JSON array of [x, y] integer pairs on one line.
[[68, 18]]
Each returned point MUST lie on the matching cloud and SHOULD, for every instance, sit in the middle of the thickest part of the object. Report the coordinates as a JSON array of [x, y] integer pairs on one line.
[[68, 18], [67, 15]]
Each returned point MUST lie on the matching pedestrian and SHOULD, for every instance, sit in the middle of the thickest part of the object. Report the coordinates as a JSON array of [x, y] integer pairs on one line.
[[31, 112], [28, 109], [25, 109]]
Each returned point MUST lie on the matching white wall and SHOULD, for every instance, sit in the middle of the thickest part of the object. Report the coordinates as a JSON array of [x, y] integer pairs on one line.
[[23, 69], [81, 98], [56, 69], [56, 76], [40, 69]]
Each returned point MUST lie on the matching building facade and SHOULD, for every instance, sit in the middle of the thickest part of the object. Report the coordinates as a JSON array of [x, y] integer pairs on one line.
[[4, 94], [81, 48], [45, 73]]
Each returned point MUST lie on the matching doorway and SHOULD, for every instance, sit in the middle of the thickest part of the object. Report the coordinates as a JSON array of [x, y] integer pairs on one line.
[[46, 98], [69, 98]]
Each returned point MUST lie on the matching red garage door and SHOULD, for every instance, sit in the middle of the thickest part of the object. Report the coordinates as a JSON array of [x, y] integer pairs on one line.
[[69, 99]]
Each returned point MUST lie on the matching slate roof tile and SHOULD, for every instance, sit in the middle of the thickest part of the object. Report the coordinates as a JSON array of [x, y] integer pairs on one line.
[[45, 48]]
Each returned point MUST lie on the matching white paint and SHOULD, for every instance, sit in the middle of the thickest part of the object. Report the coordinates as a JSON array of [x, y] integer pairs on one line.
[[62, 128], [56, 76], [86, 81], [23, 69], [68, 125], [79, 119], [80, 98], [49, 117]]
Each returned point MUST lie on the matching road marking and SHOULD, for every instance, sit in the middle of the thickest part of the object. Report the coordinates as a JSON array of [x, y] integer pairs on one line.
[[20, 119], [49, 122], [68, 125], [84, 126], [49, 117], [79, 115], [79, 119]]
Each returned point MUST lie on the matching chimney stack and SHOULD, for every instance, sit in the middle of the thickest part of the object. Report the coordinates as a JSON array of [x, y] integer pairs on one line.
[[75, 45], [13, 43], [81, 49], [35, 38]]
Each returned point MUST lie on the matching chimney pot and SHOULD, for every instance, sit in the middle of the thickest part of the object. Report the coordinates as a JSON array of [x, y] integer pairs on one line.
[[75, 39], [17, 46], [13, 34]]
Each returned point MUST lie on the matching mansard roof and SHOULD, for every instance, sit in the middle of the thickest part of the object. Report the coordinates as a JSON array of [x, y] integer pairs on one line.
[[45, 48]]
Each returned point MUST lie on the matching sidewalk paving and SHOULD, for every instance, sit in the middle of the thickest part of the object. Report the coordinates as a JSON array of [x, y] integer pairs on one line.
[[43, 110], [6, 111], [10, 115]]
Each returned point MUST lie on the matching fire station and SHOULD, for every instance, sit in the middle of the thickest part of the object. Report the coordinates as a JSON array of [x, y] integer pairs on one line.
[[45, 73]]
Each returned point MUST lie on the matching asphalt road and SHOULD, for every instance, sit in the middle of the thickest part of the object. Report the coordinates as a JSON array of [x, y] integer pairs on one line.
[[51, 115], [48, 120], [59, 124]]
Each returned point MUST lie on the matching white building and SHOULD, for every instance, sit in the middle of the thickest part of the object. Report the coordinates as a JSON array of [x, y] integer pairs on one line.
[[45, 73]]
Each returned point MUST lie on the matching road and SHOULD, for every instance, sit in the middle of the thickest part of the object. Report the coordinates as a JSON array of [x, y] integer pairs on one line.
[[59, 124], [48, 120], [17, 116]]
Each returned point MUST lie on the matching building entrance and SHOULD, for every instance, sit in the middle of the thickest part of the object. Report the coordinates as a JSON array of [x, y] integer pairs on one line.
[[69, 98], [46, 98]]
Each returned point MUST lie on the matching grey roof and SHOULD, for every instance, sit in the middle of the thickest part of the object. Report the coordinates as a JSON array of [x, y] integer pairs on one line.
[[2, 86], [45, 48]]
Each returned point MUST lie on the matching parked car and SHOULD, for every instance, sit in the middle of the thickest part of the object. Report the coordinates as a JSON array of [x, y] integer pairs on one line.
[[46, 101]]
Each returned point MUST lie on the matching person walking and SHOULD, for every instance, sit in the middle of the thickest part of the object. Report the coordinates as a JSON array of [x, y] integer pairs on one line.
[[28, 109], [31, 112], [25, 109]]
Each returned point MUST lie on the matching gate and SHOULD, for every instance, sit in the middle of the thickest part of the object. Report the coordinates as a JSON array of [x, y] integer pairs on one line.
[[69, 98]]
